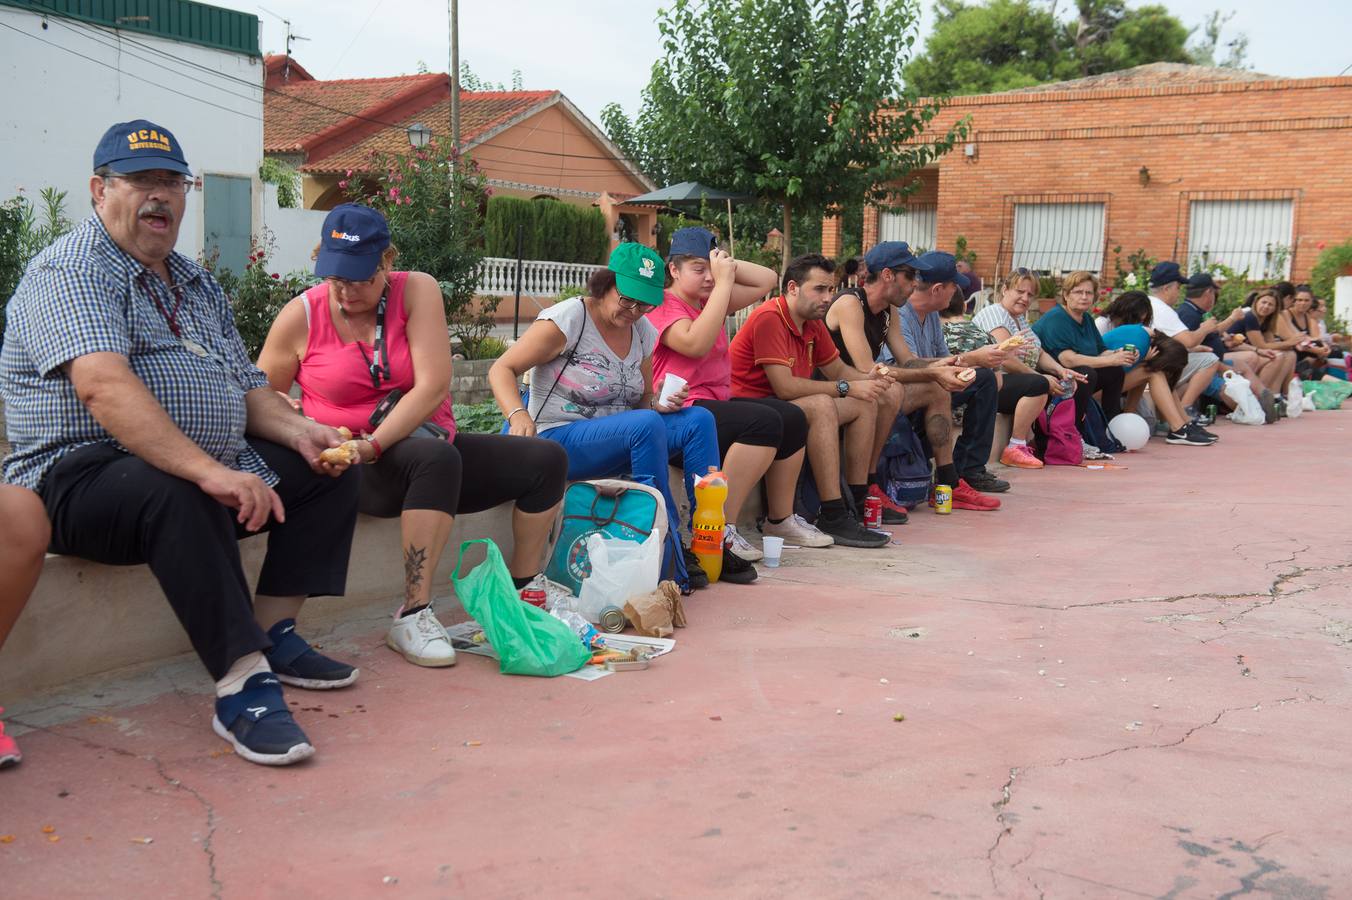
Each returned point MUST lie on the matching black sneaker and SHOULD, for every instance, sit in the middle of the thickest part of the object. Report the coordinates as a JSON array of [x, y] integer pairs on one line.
[[296, 663], [735, 569], [845, 529], [985, 482], [1198, 417], [1269, 404], [1189, 436], [1204, 433], [698, 578]]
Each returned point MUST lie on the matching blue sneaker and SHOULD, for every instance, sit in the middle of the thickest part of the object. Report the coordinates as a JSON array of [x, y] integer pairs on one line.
[[296, 663], [259, 726]]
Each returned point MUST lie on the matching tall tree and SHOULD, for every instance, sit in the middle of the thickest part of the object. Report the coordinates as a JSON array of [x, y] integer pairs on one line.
[[798, 102], [980, 47]]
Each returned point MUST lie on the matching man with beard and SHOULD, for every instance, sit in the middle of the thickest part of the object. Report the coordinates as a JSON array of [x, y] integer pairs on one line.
[[775, 353], [150, 436], [862, 322]]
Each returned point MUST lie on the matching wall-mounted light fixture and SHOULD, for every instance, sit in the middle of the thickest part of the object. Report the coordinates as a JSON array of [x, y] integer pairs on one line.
[[1144, 175], [969, 151], [418, 135]]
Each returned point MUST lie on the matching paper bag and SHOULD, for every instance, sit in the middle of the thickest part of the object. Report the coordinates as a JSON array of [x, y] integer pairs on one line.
[[658, 613]]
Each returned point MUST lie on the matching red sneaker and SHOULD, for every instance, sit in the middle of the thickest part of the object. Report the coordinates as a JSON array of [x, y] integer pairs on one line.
[[967, 497], [893, 514], [9, 751]]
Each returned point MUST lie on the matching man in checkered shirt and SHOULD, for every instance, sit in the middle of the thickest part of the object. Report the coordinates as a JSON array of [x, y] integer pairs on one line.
[[137, 416]]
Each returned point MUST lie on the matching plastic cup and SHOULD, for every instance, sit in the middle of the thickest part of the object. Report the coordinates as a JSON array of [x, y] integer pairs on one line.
[[773, 548], [671, 384]]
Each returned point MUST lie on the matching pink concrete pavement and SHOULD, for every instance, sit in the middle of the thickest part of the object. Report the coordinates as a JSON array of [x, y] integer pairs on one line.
[[1126, 683]]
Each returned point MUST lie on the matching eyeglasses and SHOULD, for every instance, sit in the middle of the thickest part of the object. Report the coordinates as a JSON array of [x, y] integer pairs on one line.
[[629, 305], [344, 284], [143, 182]]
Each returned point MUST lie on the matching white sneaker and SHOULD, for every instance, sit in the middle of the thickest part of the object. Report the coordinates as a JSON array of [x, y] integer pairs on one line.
[[421, 639], [739, 546], [797, 532]]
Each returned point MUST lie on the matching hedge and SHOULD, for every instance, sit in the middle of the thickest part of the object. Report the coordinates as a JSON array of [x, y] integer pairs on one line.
[[554, 231]]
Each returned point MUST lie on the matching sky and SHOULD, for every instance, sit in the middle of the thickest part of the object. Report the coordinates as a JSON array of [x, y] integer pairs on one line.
[[608, 54]]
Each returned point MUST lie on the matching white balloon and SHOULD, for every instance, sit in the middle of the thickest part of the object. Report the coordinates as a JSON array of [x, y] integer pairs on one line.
[[1130, 429]]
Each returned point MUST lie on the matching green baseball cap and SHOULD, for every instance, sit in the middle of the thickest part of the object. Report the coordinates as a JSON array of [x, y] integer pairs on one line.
[[639, 273]]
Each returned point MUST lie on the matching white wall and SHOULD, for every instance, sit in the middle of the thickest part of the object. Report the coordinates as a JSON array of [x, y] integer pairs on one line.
[[294, 233], [65, 84]]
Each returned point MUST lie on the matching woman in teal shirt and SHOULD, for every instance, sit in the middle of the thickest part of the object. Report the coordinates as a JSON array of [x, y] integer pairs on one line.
[[1069, 334]]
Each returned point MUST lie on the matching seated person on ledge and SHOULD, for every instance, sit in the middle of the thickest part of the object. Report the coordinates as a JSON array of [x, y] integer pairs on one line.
[[591, 364], [151, 437], [368, 333]]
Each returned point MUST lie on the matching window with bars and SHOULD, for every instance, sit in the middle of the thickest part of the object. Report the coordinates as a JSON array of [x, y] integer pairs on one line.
[[1059, 237], [917, 226], [1251, 236]]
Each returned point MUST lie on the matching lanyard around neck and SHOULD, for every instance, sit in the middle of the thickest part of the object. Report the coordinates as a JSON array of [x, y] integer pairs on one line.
[[170, 315], [378, 364]]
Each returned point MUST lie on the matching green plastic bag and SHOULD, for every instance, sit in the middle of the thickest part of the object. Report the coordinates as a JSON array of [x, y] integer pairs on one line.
[[528, 640], [1327, 394]]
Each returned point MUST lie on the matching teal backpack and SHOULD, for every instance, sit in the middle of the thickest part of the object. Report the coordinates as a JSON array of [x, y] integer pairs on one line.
[[619, 509]]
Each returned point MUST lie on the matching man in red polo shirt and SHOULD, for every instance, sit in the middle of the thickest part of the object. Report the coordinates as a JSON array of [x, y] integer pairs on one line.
[[774, 355]]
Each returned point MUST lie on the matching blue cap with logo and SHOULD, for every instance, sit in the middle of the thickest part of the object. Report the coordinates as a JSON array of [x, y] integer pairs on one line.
[[354, 236], [940, 267], [1166, 272], [138, 146], [892, 255], [693, 241]]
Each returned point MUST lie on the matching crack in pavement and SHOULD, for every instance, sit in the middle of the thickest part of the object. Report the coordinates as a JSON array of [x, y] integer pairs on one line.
[[1007, 789], [217, 888]]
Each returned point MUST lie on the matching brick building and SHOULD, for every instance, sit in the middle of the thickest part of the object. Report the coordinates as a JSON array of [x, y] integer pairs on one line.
[[1184, 162]]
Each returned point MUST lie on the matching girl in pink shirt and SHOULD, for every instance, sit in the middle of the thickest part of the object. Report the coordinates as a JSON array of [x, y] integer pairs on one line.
[[756, 438]]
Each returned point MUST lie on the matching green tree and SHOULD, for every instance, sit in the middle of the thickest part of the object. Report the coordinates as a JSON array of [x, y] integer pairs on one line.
[[1206, 52], [434, 204], [625, 135], [797, 102], [983, 47]]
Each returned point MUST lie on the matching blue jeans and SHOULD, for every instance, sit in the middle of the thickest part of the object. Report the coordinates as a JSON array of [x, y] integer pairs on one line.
[[641, 443]]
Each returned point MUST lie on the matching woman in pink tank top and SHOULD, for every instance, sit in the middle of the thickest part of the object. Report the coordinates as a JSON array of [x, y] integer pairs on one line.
[[369, 348]]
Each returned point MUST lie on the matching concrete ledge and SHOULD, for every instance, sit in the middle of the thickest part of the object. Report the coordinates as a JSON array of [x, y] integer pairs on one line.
[[85, 618]]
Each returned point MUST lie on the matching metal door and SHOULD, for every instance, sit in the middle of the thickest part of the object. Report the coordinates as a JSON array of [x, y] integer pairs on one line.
[[228, 218]]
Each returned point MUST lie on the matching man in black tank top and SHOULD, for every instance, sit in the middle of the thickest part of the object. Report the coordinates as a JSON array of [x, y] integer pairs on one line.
[[861, 320]]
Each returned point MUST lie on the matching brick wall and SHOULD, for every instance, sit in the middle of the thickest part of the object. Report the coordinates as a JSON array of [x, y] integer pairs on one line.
[[1226, 141]]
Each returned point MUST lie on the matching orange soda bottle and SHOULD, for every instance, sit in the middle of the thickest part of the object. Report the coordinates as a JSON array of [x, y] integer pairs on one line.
[[706, 533]]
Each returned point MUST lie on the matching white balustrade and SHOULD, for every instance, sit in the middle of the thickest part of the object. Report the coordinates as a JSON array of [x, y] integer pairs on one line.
[[539, 278]]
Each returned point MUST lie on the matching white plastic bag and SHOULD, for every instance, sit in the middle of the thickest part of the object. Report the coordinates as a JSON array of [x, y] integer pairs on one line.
[[620, 569], [1295, 399], [1307, 403], [1248, 411]]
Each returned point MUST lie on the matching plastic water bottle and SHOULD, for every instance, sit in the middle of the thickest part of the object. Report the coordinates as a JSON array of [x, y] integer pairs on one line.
[[706, 534]]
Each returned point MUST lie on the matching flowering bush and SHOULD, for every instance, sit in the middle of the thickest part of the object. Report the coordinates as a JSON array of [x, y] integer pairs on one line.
[[257, 295], [434, 201]]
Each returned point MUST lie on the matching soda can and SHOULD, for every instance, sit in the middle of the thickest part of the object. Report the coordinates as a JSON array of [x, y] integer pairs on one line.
[[534, 596], [612, 620], [943, 499], [873, 512], [1211, 410]]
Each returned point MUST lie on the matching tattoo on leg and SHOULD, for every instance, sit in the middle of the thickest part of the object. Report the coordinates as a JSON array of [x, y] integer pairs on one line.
[[939, 429], [414, 560]]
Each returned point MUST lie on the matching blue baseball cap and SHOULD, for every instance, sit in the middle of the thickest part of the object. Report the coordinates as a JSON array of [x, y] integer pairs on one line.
[[892, 255], [940, 267], [137, 146], [1166, 272], [350, 245], [693, 241]]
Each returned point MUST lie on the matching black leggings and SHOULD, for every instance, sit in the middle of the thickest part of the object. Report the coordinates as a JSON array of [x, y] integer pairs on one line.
[[1017, 385], [1108, 380], [758, 422], [426, 473]]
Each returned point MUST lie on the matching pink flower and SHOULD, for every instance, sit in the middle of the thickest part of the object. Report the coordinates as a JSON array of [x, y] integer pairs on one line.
[[408, 201], [275, 275], [394, 193], [349, 174], [343, 184], [1321, 245]]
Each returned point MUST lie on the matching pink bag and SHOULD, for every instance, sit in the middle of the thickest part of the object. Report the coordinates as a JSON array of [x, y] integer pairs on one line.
[[1060, 444]]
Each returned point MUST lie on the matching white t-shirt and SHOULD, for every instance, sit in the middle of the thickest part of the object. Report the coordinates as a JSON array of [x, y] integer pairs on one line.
[[1166, 320], [596, 382]]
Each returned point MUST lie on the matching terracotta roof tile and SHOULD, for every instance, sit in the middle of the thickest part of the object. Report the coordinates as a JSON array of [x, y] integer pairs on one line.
[[300, 110]]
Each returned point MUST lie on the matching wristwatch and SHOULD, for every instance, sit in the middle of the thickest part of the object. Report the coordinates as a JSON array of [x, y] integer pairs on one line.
[[843, 388]]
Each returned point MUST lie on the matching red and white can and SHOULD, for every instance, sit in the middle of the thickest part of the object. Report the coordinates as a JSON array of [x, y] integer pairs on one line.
[[873, 512], [533, 596]]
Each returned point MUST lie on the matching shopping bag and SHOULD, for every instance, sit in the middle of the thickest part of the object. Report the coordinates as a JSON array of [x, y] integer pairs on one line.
[[1327, 394], [527, 640], [1248, 411], [620, 569]]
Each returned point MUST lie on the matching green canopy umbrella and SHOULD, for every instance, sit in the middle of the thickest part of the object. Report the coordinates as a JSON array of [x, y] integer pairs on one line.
[[690, 193]]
